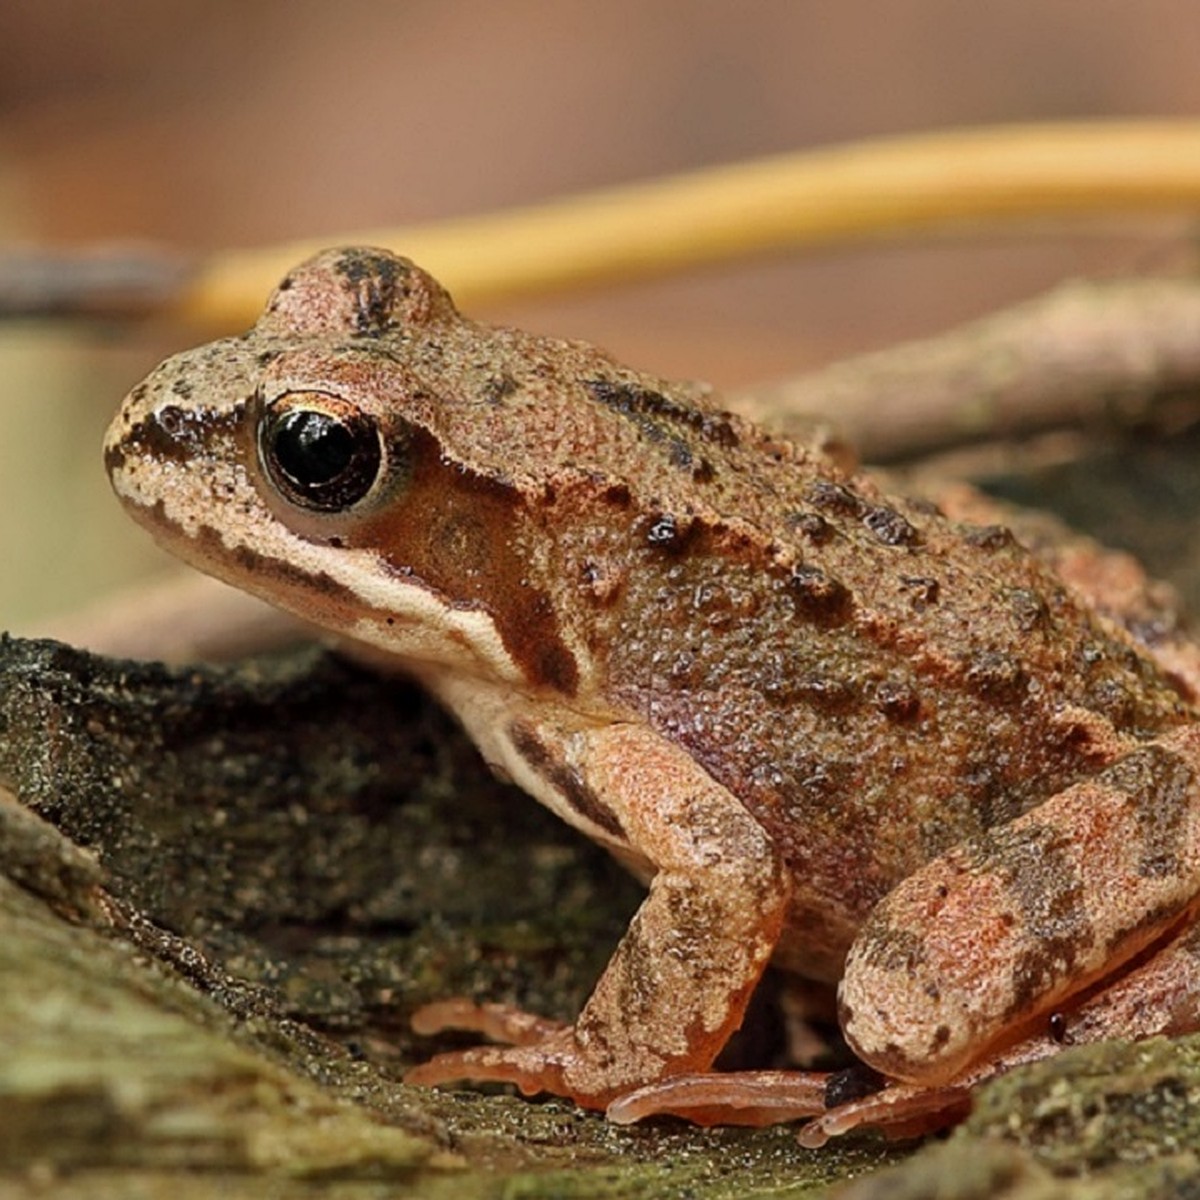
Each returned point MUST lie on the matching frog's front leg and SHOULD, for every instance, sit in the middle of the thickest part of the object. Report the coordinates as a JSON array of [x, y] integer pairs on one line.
[[678, 983]]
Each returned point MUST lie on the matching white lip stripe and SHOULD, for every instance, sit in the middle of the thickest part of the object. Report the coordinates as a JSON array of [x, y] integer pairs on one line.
[[422, 626]]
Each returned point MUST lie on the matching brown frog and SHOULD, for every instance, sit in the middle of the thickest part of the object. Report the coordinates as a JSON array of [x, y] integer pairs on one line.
[[829, 728]]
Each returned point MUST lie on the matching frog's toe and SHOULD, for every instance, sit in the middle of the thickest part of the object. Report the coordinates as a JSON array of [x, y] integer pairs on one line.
[[898, 1111], [733, 1098], [532, 1069], [502, 1023], [775, 1097]]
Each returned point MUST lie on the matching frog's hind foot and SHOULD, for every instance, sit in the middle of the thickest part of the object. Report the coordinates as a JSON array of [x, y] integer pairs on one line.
[[773, 1097], [538, 1055]]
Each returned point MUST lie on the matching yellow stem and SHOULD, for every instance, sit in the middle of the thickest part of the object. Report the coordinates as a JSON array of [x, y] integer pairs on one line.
[[873, 189]]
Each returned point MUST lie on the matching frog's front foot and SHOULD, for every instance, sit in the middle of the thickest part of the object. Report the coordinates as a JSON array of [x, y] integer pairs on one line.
[[536, 1054]]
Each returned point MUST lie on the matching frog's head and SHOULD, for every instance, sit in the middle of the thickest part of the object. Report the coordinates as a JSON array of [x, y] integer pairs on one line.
[[333, 461]]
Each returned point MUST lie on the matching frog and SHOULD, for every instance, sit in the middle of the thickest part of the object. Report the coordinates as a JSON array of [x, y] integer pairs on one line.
[[894, 752]]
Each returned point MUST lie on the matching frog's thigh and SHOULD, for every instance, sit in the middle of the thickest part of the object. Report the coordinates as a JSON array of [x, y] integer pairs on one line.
[[678, 983], [1002, 927]]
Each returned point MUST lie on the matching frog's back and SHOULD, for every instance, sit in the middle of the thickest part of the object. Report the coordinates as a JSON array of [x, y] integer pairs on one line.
[[874, 680], [821, 645]]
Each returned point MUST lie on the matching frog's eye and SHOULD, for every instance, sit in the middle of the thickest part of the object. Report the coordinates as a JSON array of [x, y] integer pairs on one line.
[[320, 452]]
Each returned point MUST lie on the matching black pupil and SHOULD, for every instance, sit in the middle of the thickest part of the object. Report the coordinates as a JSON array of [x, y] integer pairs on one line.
[[313, 447], [321, 460]]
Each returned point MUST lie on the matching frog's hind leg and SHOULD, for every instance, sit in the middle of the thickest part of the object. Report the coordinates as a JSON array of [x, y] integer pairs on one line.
[[1028, 919], [1157, 997]]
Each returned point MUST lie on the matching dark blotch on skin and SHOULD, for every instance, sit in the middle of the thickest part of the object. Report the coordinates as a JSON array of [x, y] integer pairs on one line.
[[664, 531], [1058, 1029], [922, 590], [897, 701], [890, 947], [812, 525], [852, 1083], [646, 410], [818, 596], [570, 783], [265, 567], [835, 497], [1028, 608], [375, 280], [650, 410], [680, 454], [499, 386], [179, 435], [114, 459], [989, 537], [889, 526], [546, 660], [1044, 883], [1162, 786]]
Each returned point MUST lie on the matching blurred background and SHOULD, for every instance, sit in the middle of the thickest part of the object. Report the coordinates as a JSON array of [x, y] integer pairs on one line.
[[219, 124]]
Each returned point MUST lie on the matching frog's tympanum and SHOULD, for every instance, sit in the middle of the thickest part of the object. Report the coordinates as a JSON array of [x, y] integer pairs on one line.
[[830, 728]]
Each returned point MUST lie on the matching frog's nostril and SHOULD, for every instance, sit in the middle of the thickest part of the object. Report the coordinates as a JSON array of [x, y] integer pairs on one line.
[[172, 421]]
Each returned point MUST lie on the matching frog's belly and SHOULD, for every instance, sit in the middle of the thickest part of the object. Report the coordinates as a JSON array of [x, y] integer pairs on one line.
[[816, 938]]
